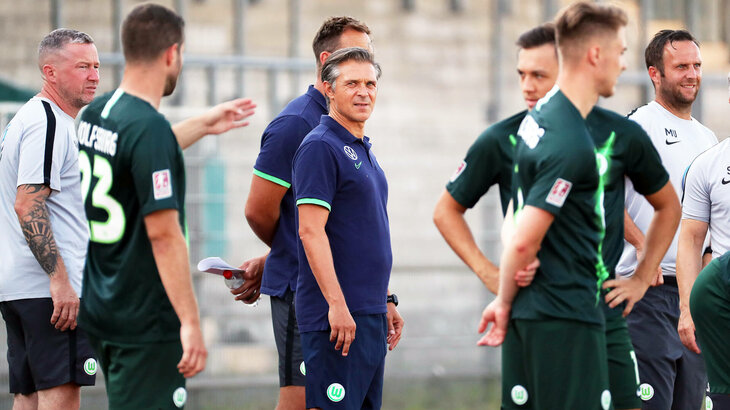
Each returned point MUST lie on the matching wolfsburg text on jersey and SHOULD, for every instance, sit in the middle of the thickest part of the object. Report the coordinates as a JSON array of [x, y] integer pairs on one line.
[[98, 138]]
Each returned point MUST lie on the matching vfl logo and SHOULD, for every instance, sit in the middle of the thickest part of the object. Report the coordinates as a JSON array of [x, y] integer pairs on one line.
[[303, 369], [606, 399], [335, 392], [669, 133], [357, 166], [646, 392], [709, 405], [179, 397], [90, 366], [350, 152], [725, 181], [559, 192], [530, 132], [519, 395]]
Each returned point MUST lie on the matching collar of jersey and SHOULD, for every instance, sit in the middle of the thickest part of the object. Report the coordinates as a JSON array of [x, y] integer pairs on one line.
[[342, 133], [317, 96]]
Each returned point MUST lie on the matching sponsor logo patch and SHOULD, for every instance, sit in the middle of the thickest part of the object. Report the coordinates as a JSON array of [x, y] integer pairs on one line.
[[179, 397], [162, 184], [90, 366], [646, 392], [303, 369], [335, 392], [458, 171], [350, 152], [559, 192], [709, 405], [519, 395]]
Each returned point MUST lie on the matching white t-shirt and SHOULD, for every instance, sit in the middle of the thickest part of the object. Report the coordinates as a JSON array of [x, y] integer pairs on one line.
[[707, 194], [678, 142], [39, 146]]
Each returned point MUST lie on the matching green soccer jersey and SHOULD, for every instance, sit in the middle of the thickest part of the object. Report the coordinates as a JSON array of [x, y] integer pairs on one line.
[[623, 149], [131, 165], [488, 162], [556, 171]]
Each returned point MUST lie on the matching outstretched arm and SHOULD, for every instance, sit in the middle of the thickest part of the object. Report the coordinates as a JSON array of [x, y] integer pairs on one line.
[[217, 120]]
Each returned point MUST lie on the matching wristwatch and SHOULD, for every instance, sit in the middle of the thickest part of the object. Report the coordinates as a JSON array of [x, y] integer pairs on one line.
[[392, 298]]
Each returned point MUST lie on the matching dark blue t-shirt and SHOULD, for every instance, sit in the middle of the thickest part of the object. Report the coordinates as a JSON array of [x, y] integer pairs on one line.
[[274, 163], [336, 170]]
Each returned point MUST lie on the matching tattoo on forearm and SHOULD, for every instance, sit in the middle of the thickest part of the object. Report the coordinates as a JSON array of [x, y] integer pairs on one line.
[[36, 227]]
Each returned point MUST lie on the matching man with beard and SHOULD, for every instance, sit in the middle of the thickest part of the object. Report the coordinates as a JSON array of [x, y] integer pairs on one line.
[[672, 376], [139, 306]]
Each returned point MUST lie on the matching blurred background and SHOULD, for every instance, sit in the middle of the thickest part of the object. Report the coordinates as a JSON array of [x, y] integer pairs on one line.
[[448, 72]]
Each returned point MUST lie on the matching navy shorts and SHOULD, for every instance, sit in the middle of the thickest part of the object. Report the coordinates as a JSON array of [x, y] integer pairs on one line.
[[348, 382], [288, 341], [39, 355], [672, 376]]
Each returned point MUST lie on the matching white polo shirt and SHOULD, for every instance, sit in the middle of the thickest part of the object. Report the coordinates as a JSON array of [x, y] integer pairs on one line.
[[707, 194], [678, 142], [39, 146]]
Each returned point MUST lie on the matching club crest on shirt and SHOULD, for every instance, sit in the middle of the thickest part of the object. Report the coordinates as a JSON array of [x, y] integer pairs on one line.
[[559, 192], [458, 171], [162, 184], [530, 131], [350, 152]]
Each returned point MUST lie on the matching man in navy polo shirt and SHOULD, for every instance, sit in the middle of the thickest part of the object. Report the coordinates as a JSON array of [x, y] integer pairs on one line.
[[270, 209], [345, 257]]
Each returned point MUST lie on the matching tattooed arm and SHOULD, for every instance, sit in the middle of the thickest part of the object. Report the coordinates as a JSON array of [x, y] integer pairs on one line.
[[30, 205]]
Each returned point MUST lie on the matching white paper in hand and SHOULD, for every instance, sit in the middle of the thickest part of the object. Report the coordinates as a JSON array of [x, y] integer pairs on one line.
[[216, 265]]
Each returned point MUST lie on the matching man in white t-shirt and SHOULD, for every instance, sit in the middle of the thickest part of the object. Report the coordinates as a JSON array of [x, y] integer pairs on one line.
[[44, 231], [705, 207], [672, 377]]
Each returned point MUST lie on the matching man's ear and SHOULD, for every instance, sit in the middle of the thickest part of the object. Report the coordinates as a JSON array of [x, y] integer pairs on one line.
[[654, 74], [328, 90], [323, 56], [594, 55], [49, 73], [171, 53]]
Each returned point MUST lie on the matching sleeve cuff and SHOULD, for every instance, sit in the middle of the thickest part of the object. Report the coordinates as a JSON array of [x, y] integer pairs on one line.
[[314, 201], [271, 178]]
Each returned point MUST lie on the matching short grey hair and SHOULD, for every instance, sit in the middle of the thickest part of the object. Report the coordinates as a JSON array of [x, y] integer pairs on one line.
[[57, 39], [331, 67]]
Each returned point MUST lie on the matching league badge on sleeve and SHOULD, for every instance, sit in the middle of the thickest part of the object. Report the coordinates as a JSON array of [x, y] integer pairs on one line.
[[558, 193], [458, 171], [162, 184]]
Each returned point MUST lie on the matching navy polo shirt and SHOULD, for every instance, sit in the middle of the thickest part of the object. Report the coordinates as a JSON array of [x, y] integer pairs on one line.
[[274, 163], [336, 170]]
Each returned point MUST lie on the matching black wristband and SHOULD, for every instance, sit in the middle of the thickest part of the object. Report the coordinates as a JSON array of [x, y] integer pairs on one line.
[[392, 298], [707, 250]]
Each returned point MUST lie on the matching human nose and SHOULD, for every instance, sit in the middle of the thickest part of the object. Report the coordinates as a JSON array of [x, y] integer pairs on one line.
[[94, 74], [528, 85]]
